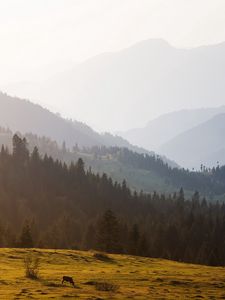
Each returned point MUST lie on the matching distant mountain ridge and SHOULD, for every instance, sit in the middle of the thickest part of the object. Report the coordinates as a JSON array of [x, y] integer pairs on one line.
[[140, 79], [202, 144], [24, 116], [131, 83], [146, 75], [166, 127]]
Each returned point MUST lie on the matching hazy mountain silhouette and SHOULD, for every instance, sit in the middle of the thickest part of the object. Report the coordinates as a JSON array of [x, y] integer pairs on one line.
[[168, 126], [24, 116], [203, 144], [133, 81]]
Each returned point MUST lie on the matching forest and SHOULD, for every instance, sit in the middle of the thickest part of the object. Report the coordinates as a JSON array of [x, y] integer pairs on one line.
[[50, 204], [143, 171]]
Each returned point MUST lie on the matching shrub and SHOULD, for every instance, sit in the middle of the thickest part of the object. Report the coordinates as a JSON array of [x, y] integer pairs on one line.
[[106, 287], [102, 256], [51, 284], [32, 265]]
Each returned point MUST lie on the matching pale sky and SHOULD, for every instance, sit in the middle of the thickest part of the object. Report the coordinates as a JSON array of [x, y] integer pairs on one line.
[[46, 32], [49, 35]]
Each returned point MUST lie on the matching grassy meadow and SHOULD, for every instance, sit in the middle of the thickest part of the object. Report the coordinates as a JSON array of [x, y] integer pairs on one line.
[[110, 277]]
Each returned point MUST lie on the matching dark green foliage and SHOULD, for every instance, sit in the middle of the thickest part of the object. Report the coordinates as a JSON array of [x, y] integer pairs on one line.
[[90, 238], [142, 171], [102, 256], [106, 287], [134, 240], [143, 247], [69, 207], [32, 265], [20, 151], [108, 233], [209, 182], [26, 240]]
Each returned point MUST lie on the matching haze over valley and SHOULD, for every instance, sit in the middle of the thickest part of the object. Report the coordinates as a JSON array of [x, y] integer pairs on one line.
[[131, 85], [112, 149]]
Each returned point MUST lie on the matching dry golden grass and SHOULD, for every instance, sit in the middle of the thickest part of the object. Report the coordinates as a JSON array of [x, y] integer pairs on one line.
[[126, 277]]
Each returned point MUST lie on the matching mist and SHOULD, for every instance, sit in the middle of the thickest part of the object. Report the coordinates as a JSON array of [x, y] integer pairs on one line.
[[44, 39], [112, 149]]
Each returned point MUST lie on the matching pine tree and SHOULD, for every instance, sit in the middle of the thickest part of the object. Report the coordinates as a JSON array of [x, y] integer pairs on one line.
[[80, 167], [26, 240], [108, 233], [143, 247], [20, 151], [134, 239], [35, 156], [90, 238]]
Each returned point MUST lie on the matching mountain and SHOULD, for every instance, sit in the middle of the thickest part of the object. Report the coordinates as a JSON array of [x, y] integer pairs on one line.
[[103, 153], [137, 82], [203, 144], [166, 127], [24, 116]]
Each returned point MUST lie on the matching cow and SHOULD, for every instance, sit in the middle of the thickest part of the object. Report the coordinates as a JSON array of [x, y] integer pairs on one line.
[[68, 279]]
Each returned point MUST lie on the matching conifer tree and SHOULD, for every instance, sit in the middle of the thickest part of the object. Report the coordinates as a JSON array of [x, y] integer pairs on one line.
[[134, 239], [26, 240], [108, 233]]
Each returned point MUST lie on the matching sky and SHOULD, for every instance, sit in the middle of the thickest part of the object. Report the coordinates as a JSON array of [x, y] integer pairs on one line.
[[40, 38]]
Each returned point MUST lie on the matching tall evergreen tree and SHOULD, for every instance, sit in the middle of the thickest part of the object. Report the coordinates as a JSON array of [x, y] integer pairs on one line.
[[134, 239], [108, 233], [26, 240]]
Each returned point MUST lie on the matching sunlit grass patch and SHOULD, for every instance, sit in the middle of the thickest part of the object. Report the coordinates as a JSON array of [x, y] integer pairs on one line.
[[128, 277]]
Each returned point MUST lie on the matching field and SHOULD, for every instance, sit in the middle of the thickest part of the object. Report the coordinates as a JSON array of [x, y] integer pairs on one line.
[[114, 277]]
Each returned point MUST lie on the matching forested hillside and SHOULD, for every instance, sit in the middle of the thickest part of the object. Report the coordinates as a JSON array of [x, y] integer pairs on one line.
[[144, 172], [46, 203]]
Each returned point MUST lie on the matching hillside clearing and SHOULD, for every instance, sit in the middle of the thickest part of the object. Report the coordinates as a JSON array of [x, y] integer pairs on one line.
[[119, 277]]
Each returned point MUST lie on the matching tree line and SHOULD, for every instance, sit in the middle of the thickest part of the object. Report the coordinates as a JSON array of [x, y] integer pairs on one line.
[[209, 182], [49, 204]]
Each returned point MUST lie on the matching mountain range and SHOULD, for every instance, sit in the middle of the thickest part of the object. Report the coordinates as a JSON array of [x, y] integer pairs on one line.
[[134, 82], [166, 127], [68, 141], [36, 122], [138, 82], [24, 116], [190, 137], [202, 144]]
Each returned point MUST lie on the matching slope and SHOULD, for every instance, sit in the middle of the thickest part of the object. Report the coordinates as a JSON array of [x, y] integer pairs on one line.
[[200, 145], [100, 159], [131, 277], [166, 127], [25, 116], [142, 172]]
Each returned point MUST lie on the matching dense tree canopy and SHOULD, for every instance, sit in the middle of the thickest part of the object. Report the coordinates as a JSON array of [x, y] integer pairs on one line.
[[46, 203]]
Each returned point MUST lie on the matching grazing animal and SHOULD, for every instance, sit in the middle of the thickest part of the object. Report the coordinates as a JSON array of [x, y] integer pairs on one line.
[[68, 279]]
